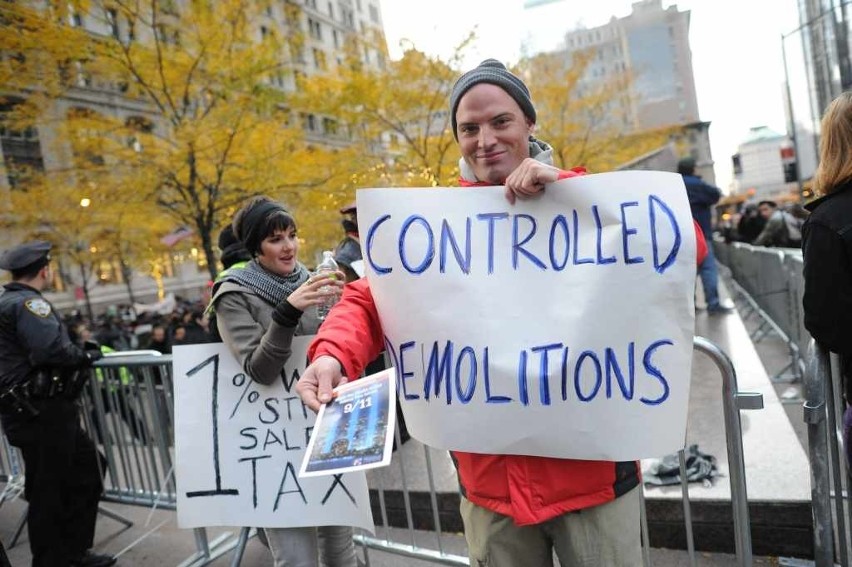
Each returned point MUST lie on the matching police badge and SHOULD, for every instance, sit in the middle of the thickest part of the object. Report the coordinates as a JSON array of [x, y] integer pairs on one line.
[[38, 306]]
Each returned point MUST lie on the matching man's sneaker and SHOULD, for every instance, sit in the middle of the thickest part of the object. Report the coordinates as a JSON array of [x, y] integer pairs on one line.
[[720, 310], [90, 559]]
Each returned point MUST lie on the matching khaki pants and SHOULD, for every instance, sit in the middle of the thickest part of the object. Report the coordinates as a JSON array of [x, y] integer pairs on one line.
[[329, 546], [605, 535]]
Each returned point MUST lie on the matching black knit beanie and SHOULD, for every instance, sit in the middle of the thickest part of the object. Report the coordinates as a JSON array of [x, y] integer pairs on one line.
[[233, 250], [493, 72], [252, 226]]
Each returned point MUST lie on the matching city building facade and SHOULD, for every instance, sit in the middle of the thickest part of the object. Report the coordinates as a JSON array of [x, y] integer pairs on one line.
[[324, 27], [818, 68], [651, 47], [759, 165]]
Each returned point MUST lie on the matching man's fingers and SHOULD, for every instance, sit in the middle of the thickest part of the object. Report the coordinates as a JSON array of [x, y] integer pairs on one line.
[[307, 389], [510, 195], [324, 387]]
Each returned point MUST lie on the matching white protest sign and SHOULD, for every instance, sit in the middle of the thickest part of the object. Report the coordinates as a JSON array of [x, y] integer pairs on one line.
[[239, 444], [560, 326]]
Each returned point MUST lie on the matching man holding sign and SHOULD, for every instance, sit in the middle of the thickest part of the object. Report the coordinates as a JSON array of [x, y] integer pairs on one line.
[[516, 508]]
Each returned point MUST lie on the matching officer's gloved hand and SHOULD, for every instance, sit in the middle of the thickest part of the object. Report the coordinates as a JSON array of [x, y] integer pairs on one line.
[[94, 355]]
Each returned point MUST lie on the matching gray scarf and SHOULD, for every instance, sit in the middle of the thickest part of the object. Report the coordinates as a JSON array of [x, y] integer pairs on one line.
[[539, 151], [271, 287]]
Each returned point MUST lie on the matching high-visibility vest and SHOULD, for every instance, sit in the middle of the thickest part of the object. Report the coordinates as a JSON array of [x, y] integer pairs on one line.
[[123, 372]]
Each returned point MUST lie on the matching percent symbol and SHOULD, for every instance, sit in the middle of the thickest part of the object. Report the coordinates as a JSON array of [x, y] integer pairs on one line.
[[242, 381]]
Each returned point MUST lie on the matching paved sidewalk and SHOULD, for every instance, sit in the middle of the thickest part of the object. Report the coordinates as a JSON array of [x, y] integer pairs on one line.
[[169, 546]]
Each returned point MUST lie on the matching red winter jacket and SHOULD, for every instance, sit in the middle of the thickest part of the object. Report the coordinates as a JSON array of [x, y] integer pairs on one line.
[[529, 489]]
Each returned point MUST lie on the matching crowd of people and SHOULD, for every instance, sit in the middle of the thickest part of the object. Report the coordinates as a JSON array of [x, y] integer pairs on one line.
[[765, 223], [187, 324], [516, 509]]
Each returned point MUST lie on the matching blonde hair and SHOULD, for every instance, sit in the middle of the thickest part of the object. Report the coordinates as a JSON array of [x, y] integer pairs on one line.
[[835, 146]]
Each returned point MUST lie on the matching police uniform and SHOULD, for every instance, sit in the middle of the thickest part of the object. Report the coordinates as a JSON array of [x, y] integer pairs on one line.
[[39, 415]]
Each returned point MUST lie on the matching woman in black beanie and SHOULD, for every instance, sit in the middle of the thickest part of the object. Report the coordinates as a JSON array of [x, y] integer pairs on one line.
[[259, 309]]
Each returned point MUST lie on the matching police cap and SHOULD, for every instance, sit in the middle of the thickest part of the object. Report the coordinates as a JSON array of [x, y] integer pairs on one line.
[[25, 255]]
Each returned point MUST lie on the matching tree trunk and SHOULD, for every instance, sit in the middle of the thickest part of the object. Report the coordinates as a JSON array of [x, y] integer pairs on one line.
[[126, 275], [209, 253], [85, 286]]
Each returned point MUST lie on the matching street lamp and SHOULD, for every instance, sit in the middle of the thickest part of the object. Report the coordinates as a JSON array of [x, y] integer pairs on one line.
[[85, 202]]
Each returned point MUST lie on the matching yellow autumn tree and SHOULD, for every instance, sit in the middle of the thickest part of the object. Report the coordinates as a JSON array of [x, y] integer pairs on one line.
[[201, 116], [587, 123], [398, 116]]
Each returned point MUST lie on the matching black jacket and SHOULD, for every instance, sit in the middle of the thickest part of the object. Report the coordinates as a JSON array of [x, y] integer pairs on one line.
[[32, 336], [827, 249], [702, 196]]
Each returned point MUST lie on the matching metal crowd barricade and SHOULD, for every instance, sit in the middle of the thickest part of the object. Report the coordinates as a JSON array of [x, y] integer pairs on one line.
[[794, 265], [823, 412], [769, 282], [129, 410], [733, 401]]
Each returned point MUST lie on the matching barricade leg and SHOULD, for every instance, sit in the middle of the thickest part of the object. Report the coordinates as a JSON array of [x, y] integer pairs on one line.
[[115, 516], [732, 402], [687, 508], [19, 529], [4, 560], [209, 551], [834, 409], [816, 376], [646, 542], [241, 547]]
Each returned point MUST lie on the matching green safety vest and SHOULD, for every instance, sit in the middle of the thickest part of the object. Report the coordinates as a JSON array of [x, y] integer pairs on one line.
[[123, 373]]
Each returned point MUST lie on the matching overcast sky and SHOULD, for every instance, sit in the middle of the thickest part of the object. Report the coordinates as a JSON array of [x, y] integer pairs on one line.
[[736, 49]]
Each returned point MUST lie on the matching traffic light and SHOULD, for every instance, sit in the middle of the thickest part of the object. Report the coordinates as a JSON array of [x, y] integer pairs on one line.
[[791, 173]]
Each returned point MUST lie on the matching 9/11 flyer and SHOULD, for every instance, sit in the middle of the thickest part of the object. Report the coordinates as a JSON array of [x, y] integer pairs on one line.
[[355, 430]]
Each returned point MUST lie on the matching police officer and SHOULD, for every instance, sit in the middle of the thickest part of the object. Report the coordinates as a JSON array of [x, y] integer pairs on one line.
[[38, 386]]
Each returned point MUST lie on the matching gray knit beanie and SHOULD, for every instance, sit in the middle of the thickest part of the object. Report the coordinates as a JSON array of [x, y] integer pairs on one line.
[[493, 72]]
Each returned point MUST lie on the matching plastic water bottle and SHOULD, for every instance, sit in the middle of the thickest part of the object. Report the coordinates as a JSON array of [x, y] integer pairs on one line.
[[327, 265]]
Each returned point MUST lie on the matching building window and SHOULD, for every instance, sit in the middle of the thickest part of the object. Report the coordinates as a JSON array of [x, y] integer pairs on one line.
[[87, 140], [314, 29], [21, 150], [374, 14], [319, 59], [348, 17], [75, 18], [309, 122], [336, 38], [330, 127], [312, 4], [139, 126], [82, 78], [331, 10], [112, 20]]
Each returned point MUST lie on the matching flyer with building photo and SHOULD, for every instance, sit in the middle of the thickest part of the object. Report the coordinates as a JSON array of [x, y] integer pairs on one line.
[[355, 430]]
